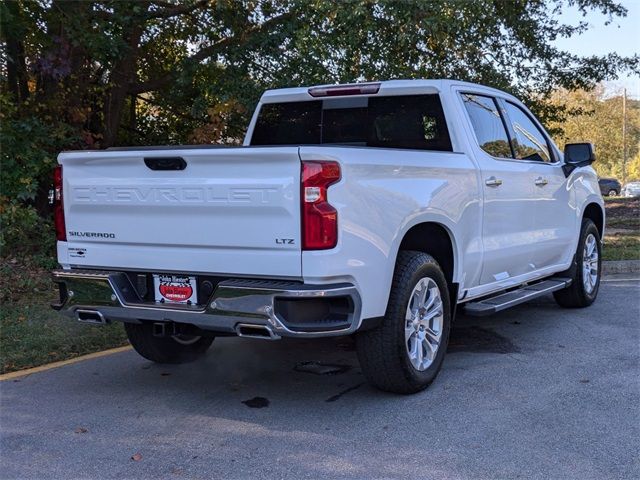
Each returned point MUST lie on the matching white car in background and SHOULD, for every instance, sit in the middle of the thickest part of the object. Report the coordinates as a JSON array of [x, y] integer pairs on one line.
[[631, 189]]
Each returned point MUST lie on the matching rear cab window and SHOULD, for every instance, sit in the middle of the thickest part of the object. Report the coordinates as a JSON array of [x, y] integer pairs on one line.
[[407, 121], [488, 125], [505, 130]]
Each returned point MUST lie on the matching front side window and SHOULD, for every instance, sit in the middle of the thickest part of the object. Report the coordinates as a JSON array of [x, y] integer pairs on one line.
[[408, 121], [529, 142], [487, 125]]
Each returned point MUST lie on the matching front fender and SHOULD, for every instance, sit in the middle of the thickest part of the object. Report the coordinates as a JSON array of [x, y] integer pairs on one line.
[[584, 183]]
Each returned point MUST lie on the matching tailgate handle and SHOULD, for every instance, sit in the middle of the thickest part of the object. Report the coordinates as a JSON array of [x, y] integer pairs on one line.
[[165, 163]]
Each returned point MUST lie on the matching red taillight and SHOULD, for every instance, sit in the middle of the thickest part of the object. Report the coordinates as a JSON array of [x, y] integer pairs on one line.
[[58, 205], [340, 90], [319, 218]]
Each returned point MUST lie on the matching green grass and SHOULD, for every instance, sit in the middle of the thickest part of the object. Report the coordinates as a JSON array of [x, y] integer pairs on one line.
[[623, 223], [31, 333], [622, 247]]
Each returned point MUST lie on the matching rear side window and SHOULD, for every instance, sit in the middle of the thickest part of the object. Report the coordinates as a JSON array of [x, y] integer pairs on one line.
[[529, 142], [408, 122], [412, 121], [488, 125]]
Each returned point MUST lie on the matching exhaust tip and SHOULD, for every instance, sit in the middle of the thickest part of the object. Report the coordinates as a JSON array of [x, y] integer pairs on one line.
[[91, 316], [256, 331]]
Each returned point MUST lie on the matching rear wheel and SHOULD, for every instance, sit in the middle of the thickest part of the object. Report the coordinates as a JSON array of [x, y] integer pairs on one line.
[[167, 349], [586, 271], [404, 354], [612, 193]]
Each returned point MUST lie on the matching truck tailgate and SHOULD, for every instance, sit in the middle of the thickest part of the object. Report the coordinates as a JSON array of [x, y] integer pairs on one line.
[[232, 211]]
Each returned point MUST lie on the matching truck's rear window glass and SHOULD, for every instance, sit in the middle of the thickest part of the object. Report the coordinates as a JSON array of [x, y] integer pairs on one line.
[[411, 121]]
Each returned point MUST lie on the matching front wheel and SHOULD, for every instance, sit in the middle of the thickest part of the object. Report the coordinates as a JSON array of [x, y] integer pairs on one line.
[[404, 354], [585, 273], [612, 193], [166, 349]]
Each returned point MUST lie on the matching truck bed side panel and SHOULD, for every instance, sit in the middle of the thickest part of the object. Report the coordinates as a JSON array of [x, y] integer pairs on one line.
[[382, 194]]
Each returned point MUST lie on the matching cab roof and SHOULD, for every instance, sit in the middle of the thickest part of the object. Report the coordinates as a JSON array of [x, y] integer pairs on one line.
[[385, 88]]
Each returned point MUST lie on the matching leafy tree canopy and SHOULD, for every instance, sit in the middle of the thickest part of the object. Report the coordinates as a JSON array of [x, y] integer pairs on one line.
[[598, 118], [170, 71], [93, 74]]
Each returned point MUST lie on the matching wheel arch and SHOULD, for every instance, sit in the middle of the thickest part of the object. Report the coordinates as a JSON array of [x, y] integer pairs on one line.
[[435, 239], [595, 212]]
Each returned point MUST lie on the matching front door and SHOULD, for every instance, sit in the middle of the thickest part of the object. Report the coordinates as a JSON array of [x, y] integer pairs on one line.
[[553, 211]]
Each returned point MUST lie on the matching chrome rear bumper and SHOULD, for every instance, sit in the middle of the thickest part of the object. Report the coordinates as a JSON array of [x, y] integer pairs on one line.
[[235, 304]]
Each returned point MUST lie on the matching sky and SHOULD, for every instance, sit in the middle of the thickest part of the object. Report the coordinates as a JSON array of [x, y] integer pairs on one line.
[[621, 36]]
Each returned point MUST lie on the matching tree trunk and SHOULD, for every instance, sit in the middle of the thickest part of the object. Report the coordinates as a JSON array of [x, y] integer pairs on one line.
[[13, 33], [63, 54], [122, 75]]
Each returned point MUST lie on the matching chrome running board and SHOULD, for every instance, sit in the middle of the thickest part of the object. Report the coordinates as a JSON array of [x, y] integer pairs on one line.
[[502, 301]]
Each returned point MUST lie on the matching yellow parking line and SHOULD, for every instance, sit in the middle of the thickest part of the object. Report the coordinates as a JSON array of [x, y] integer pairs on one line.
[[62, 363]]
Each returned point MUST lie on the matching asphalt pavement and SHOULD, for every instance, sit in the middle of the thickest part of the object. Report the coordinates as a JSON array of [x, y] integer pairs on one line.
[[533, 392]]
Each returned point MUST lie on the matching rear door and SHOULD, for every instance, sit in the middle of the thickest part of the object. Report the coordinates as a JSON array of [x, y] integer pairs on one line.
[[233, 211], [508, 231]]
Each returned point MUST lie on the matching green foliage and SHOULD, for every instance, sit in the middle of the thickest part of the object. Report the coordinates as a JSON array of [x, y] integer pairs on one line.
[[598, 118], [93, 74], [125, 72], [28, 145], [25, 232]]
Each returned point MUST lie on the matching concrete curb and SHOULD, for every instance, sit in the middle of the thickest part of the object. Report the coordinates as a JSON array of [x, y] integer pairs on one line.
[[620, 266]]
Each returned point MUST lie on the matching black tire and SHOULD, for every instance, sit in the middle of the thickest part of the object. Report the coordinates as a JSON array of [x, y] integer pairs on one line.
[[612, 193], [164, 349], [576, 295], [383, 351]]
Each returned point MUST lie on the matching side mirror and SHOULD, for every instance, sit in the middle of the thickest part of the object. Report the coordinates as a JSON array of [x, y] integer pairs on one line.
[[577, 155]]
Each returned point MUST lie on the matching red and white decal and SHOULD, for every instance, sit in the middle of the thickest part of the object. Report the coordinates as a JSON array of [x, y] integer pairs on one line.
[[175, 289]]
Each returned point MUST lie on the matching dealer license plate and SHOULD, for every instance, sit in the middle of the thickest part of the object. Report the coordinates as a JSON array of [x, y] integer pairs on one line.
[[175, 289]]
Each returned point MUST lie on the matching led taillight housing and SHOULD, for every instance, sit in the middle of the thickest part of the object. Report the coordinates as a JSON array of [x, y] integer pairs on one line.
[[58, 205], [319, 217]]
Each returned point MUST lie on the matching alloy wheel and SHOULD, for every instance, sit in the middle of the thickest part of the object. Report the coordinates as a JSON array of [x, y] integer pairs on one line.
[[424, 322], [590, 263]]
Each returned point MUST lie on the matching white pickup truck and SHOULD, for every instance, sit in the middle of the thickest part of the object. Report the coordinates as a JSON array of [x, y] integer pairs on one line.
[[374, 209]]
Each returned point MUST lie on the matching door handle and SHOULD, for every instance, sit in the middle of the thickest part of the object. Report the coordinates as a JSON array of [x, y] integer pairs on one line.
[[165, 163], [493, 182], [541, 182]]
